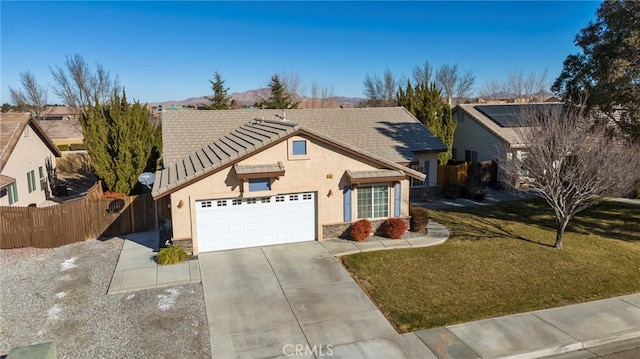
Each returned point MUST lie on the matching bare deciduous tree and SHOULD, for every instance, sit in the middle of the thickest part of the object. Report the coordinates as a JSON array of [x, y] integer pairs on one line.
[[321, 95], [454, 83], [570, 163], [381, 91], [422, 73], [529, 87], [32, 95], [293, 84], [78, 86]]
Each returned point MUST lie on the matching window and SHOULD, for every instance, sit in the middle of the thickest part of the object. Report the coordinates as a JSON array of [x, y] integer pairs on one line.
[[265, 200], [236, 202], [31, 181], [306, 197], [222, 203], [13, 193], [251, 201], [470, 156], [3, 192], [259, 184], [299, 148], [293, 197], [42, 181], [205, 204], [373, 202], [279, 198]]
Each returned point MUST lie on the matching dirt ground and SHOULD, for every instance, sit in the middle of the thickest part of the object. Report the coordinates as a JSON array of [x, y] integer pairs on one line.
[[61, 295]]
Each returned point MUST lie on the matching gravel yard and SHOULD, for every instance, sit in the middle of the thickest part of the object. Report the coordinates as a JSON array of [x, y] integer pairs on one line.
[[61, 295]]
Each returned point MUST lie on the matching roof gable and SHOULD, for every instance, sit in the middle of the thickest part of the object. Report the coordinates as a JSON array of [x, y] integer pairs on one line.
[[241, 143], [12, 126], [389, 132]]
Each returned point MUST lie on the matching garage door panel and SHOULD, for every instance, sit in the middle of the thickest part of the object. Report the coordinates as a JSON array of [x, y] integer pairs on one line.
[[241, 223]]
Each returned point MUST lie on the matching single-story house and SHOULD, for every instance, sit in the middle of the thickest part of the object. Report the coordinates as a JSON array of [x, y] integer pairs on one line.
[[243, 178], [489, 132], [27, 161]]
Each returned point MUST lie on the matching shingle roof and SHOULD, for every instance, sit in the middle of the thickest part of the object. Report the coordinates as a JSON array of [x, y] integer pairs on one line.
[[12, 126], [389, 132], [243, 142], [256, 169], [507, 134]]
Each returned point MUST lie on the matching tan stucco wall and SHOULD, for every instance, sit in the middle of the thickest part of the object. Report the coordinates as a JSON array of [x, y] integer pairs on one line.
[[323, 172], [470, 135], [29, 154]]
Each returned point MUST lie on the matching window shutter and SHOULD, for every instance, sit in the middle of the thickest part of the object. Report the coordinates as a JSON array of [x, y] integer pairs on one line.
[[347, 203], [397, 192]]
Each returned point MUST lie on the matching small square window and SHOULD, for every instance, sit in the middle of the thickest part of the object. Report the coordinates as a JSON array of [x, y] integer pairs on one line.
[[265, 200], [306, 197], [222, 203], [279, 198], [299, 148], [293, 197], [259, 184], [205, 204], [236, 202], [3, 192], [251, 201]]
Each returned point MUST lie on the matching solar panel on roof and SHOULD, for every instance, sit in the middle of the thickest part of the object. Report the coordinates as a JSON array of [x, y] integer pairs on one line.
[[512, 115]]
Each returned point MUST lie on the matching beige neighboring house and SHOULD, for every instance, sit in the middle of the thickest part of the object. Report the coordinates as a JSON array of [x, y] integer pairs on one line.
[[244, 178], [489, 132], [27, 161], [61, 125]]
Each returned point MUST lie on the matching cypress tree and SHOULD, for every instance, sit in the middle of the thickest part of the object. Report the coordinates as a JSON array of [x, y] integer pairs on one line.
[[121, 141], [425, 102]]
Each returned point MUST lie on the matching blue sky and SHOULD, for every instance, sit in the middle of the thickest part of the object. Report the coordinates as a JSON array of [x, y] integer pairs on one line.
[[169, 50]]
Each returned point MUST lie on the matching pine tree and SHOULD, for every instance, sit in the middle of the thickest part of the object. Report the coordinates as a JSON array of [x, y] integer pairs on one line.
[[426, 104], [279, 96], [219, 100], [121, 141]]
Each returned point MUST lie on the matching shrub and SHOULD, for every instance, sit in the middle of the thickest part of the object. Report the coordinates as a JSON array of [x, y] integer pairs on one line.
[[394, 228], [451, 191], [171, 255], [477, 194], [360, 230], [77, 146], [419, 219], [64, 147]]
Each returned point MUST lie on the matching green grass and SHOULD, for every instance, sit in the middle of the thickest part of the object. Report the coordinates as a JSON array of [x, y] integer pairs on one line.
[[499, 260]]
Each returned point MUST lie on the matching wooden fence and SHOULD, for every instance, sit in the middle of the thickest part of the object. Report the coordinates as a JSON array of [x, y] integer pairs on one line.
[[480, 174], [92, 216]]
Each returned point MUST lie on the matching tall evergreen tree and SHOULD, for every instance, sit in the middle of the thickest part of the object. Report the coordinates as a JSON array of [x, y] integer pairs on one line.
[[279, 97], [219, 100], [425, 102], [121, 141]]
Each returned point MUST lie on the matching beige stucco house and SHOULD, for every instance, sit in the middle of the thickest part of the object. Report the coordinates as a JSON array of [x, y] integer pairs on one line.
[[489, 132], [244, 178], [27, 161]]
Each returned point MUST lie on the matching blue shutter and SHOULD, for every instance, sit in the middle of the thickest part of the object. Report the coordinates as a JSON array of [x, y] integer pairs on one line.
[[397, 192], [426, 172], [347, 203]]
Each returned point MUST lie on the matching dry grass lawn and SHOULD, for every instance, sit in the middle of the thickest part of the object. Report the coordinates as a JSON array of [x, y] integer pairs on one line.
[[499, 260]]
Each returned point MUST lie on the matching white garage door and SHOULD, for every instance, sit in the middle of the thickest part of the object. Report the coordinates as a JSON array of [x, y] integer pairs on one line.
[[241, 222]]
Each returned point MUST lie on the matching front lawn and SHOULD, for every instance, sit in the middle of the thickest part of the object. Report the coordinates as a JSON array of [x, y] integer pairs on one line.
[[499, 260]]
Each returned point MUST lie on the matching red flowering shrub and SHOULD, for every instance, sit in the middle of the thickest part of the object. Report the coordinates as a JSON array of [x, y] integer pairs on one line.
[[394, 228], [360, 230]]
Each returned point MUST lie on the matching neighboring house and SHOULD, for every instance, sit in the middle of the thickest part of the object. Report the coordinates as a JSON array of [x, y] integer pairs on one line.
[[62, 126], [490, 132], [27, 161], [244, 178]]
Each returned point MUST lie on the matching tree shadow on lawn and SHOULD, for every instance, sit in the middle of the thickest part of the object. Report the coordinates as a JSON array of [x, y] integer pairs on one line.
[[608, 219]]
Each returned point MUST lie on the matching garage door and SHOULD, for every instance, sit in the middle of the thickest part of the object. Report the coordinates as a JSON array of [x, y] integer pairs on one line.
[[250, 222]]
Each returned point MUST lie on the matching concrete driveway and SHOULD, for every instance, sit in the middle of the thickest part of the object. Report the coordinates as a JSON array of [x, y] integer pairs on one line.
[[294, 300]]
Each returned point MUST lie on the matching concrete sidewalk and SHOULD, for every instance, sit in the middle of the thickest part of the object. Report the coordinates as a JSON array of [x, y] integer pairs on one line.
[[137, 268]]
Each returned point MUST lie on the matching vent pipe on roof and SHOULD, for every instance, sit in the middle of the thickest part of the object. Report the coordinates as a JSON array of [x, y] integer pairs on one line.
[[284, 115]]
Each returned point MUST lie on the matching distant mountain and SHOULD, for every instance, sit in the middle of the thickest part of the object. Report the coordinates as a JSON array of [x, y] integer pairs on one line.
[[250, 97]]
